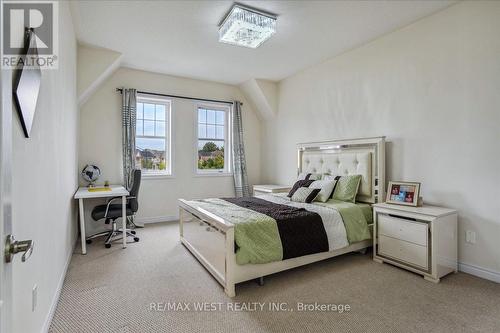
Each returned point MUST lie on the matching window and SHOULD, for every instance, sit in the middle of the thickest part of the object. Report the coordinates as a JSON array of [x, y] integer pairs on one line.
[[153, 139], [213, 146]]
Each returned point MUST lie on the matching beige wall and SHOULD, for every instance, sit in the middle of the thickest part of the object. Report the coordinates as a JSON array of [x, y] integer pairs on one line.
[[433, 88], [44, 180], [100, 141]]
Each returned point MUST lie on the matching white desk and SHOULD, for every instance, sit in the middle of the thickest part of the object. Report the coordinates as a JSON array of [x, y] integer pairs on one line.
[[116, 191]]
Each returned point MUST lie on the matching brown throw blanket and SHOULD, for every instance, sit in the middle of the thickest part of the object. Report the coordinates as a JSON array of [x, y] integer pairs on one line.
[[301, 231]]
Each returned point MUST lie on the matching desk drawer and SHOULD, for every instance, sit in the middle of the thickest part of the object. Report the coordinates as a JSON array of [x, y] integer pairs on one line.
[[411, 253], [208, 241], [410, 231]]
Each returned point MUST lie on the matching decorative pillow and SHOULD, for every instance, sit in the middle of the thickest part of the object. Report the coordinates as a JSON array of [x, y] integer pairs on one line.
[[326, 187], [347, 188], [332, 178], [298, 184], [305, 194], [308, 175]]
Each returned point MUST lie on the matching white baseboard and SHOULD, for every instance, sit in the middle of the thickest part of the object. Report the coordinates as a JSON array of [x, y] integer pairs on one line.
[[479, 272], [156, 219], [55, 299]]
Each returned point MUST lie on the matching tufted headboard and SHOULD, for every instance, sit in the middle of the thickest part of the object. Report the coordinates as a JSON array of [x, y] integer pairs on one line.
[[365, 157]]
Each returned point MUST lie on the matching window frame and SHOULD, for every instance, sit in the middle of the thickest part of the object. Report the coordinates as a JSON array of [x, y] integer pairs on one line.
[[227, 171], [169, 170]]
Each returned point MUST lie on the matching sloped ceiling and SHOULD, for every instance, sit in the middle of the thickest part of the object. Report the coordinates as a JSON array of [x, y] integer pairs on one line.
[[180, 37]]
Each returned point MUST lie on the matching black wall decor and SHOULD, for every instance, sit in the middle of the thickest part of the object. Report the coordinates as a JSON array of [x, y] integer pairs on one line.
[[27, 83]]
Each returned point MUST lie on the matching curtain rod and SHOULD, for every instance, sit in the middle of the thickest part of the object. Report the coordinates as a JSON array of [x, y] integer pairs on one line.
[[176, 96]]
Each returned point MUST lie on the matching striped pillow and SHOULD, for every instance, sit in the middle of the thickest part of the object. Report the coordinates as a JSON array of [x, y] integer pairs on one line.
[[305, 194], [326, 189], [298, 184]]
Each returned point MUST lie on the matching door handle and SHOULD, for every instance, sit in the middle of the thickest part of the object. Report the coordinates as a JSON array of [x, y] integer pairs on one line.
[[12, 247]]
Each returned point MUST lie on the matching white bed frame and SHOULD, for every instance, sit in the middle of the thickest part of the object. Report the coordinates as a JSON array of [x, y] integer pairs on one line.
[[210, 238]]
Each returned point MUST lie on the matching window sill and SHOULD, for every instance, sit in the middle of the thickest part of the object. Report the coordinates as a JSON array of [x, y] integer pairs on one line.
[[147, 176], [214, 174]]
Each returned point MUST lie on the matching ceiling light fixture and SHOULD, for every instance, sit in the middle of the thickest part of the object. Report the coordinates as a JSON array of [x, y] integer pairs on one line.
[[245, 26]]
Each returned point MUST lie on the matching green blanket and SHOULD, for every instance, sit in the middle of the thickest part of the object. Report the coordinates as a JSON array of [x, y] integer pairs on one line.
[[256, 235], [355, 219]]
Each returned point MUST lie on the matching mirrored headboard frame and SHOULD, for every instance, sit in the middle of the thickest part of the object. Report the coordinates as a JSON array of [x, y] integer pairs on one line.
[[375, 146]]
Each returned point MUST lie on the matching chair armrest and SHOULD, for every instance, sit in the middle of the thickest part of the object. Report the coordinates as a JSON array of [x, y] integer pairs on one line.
[[112, 198], [108, 204]]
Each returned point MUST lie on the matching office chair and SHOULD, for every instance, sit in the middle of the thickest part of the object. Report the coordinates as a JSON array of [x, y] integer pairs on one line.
[[110, 212]]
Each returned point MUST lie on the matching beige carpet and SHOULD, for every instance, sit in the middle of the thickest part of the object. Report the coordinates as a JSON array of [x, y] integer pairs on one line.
[[110, 290]]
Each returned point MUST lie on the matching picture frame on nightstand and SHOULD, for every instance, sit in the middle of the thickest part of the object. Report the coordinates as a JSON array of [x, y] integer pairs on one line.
[[403, 193]]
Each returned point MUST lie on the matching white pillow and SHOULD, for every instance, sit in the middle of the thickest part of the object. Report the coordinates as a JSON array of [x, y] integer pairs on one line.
[[326, 187], [305, 194]]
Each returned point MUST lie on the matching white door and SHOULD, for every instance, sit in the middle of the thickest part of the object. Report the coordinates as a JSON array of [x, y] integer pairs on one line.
[[5, 195]]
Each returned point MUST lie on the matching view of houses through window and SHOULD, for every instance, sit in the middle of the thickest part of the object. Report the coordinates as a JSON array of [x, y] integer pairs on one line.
[[212, 135], [152, 137]]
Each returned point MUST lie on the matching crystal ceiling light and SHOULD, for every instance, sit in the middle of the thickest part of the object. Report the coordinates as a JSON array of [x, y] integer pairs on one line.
[[246, 27]]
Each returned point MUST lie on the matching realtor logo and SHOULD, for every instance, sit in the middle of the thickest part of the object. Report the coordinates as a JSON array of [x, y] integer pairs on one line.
[[17, 18]]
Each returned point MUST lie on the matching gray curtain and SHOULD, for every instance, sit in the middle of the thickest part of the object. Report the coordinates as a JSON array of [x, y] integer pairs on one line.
[[241, 187], [129, 99]]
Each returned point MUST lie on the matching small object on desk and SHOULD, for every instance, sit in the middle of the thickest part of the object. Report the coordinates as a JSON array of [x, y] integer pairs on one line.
[[99, 189], [91, 173], [106, 183], [420, 239], [265, 189]]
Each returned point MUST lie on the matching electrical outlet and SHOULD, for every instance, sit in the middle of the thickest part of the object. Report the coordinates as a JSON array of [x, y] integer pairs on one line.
[[470, 236], [34, 297]]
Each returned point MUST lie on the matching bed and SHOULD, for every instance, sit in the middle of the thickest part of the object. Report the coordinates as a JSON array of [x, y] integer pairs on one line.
[[208, 226]]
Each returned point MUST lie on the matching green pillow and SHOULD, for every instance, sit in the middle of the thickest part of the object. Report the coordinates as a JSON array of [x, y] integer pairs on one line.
[[347, 188]]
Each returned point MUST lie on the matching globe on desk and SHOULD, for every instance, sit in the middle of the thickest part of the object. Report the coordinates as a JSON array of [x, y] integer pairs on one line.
[[91, 173]]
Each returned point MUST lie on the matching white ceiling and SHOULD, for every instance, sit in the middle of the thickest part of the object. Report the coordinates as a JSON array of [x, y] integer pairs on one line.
[[180, 37]]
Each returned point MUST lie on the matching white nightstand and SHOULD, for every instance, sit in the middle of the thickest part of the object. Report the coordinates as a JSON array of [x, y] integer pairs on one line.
[[420, 239], [265, 189]]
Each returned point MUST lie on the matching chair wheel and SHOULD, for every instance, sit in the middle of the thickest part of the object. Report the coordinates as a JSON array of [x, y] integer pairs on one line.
[[132, 232], [107, 246], [136, 239], [88, 241]]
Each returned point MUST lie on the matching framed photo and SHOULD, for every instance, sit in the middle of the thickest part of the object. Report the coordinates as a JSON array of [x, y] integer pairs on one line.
[[403, 193]]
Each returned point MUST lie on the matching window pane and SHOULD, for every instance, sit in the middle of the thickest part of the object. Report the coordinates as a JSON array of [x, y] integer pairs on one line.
[[150, 154], [149, 127], [138, 127], [149, 111], [160, 128], [211, 154], [202, 131], [220, 117], [139, 111], [210, 131], [160, 112], [210, 117], [220, 132], [202, 115]]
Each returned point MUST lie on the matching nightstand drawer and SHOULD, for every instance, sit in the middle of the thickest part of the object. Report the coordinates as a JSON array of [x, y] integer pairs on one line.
[[410, 231], [413, 254]]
